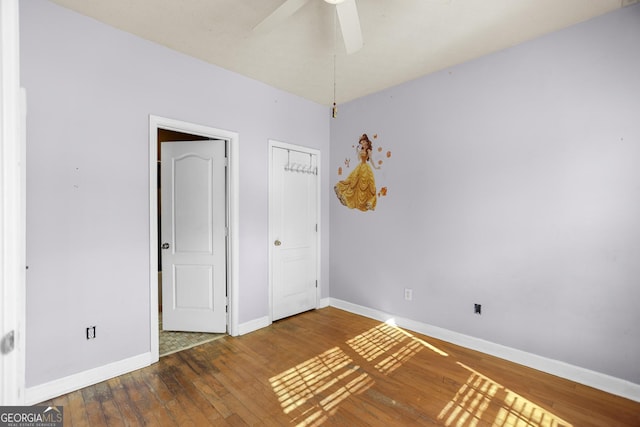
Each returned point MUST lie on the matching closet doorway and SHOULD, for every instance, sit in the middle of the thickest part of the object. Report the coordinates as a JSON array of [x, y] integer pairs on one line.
[[294, 235]]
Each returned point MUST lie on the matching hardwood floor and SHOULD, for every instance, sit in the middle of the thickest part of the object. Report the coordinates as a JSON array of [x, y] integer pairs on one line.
[[330, 367]]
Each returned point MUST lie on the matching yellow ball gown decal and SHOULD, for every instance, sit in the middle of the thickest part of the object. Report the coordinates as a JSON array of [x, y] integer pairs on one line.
[[358, 191]]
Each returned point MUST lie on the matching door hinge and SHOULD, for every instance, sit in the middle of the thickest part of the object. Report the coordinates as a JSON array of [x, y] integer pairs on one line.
[[8, 343], [316, 228], [316, 283], [226, 162]]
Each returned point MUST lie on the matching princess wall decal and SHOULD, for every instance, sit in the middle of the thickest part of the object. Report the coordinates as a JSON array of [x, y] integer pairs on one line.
[[358, 190]]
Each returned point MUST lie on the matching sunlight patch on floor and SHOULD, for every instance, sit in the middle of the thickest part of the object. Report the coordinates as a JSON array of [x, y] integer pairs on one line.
[[392, 323], [388, 346], [474, 398], [312, 390]]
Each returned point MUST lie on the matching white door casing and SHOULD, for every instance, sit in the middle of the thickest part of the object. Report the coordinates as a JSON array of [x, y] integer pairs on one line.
[[233, 209], [193, 236], [12, 210], [293, 229]]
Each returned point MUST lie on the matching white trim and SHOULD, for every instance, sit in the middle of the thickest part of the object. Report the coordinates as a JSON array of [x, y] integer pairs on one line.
[[254, 325], [232, 138], [55, 388], [577, 374], [12, 206], [287, 146], [324, 302]]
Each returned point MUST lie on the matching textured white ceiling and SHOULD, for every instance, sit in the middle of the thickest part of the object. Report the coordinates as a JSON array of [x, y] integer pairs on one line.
[[403, 39]]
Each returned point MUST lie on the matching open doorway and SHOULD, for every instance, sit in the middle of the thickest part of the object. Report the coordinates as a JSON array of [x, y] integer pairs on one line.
[[165, 131], [171, 341]]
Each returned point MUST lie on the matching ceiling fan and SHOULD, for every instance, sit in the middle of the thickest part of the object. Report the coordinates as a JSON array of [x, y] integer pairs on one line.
[[347, 16]]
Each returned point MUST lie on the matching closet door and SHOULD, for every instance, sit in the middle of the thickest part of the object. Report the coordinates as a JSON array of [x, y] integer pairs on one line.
[[293, 209]]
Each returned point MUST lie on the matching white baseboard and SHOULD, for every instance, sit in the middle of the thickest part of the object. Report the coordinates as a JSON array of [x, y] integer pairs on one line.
[[263, 322], [253, 325], [577, 374], [607, 383], [55, 388]]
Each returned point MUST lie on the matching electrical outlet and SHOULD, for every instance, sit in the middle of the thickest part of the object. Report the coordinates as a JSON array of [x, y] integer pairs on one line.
[[91, 332], [408, 294], [477, 308]]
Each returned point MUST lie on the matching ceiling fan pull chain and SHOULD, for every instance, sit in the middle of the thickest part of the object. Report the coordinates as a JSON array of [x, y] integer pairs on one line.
[[334, 110]]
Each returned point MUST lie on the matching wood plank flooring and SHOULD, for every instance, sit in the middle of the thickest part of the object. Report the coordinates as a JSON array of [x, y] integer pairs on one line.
[[329, 367]]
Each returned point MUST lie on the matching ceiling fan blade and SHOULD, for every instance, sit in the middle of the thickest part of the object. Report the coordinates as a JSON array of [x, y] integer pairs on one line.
[[350, 25], [278, 16]]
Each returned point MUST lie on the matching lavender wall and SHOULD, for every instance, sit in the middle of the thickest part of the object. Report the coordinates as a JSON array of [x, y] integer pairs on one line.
[[90, 91], [514, 182]]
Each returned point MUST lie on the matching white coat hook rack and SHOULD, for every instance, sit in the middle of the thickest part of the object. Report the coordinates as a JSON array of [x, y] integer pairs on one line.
[[299, 167]]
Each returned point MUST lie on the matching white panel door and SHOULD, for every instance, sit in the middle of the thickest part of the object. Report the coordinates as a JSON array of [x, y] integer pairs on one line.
[[193, 236], [293, 207]]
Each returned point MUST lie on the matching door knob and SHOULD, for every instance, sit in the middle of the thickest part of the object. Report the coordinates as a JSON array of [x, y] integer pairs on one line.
[[165, 246], [277, 243]]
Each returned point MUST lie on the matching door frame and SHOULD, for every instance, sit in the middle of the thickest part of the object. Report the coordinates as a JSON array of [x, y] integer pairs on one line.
[[232, 175], [287, 146], [13, 213]]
